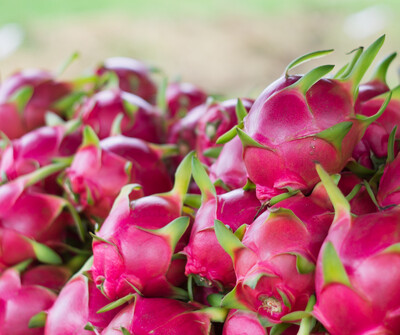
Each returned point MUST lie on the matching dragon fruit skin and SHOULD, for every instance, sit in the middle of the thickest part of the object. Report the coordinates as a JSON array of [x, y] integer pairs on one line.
[[155, 224], [217, 120], [45, 92], [140, 119], [314, 117], [181, 98], [243, 323], [20, 302], [388, 192], [50, 276], [274, 263], [83, 300], [375, 139], [160, 316], [133, 76], [205, 256], [352, 295]]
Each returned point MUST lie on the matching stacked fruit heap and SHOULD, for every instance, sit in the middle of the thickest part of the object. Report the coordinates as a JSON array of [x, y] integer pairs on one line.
[[132, 208]]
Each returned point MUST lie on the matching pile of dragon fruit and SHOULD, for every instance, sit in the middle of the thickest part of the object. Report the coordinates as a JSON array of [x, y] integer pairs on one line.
[[130, 204]]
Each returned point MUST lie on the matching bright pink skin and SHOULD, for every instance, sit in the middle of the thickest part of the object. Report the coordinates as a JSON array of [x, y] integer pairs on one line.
[[20, 302], [371, 303], [181, 98], [205, 256], [37, 149], [243, 323], [133, 76], [150, 170], [144, 264], [389, 186], [287, 122], [272, 242], [159, 316], [76, 305], [229, 167], [216, 121], [46, 91], [50, 276], [375, 139], [368, 91], [20, 217], [100, 111]]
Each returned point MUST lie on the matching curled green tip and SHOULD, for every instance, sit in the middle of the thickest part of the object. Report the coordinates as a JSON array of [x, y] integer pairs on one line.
[[183, 176], [202, 180], [227, 239], [90, 137], [116, 125], [306, 58], [382, 68], [310, 78]]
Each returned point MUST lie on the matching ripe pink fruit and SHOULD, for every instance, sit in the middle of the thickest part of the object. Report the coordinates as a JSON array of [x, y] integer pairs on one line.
[[181, 98], [243, 323], [20, 302], [140, 119], [389, 186], [311, 120], [76, 306], [206, 259], [25, 98], [355, 294], [275, 261], [50, 276], [133, 76], [159, 316], [155, 224]]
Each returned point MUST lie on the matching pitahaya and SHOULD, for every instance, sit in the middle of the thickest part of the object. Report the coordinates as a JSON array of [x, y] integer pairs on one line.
[[133, 76], [29, 218], [52, 277], [140, 119], [25, 98], [181, 98], [275, 261], [20, 302], [313, 119], [389, 186], [243, 323], [155, 224], [160, 316], [357, 272], [206, 259]]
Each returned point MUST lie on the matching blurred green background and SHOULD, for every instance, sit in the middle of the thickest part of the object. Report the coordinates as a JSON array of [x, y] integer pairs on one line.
[[226, 46]]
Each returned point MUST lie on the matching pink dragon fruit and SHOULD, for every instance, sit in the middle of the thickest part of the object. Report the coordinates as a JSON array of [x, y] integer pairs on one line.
[[29, 218], [217, 120], [25, 98], [52, 277], [313, 116], [374, 143], [389, 186], [206, 259], [160, 316], [140, 119], [243, 323], [20, 302], [155, 224], [275, 261], [229, 171], [181, 98], [354, 296], [100, 169], [133, 76], [76, 309]]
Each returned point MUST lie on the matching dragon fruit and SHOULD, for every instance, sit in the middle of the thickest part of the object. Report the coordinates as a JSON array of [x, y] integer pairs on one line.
[[24, 230], [52, 277], [181, 98], [140, 119], [243, 323], [160, 316], [100, 169], [25, 98], [217, 120], [353, 297], [206, 259], [156, 225], [133, 76], [374, 144], [388, 192], [20, 302], [313, 116], [84, 300], [274, 263]]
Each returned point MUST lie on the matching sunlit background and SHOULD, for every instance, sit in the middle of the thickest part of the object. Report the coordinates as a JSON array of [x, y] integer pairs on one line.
[[228, 47]]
